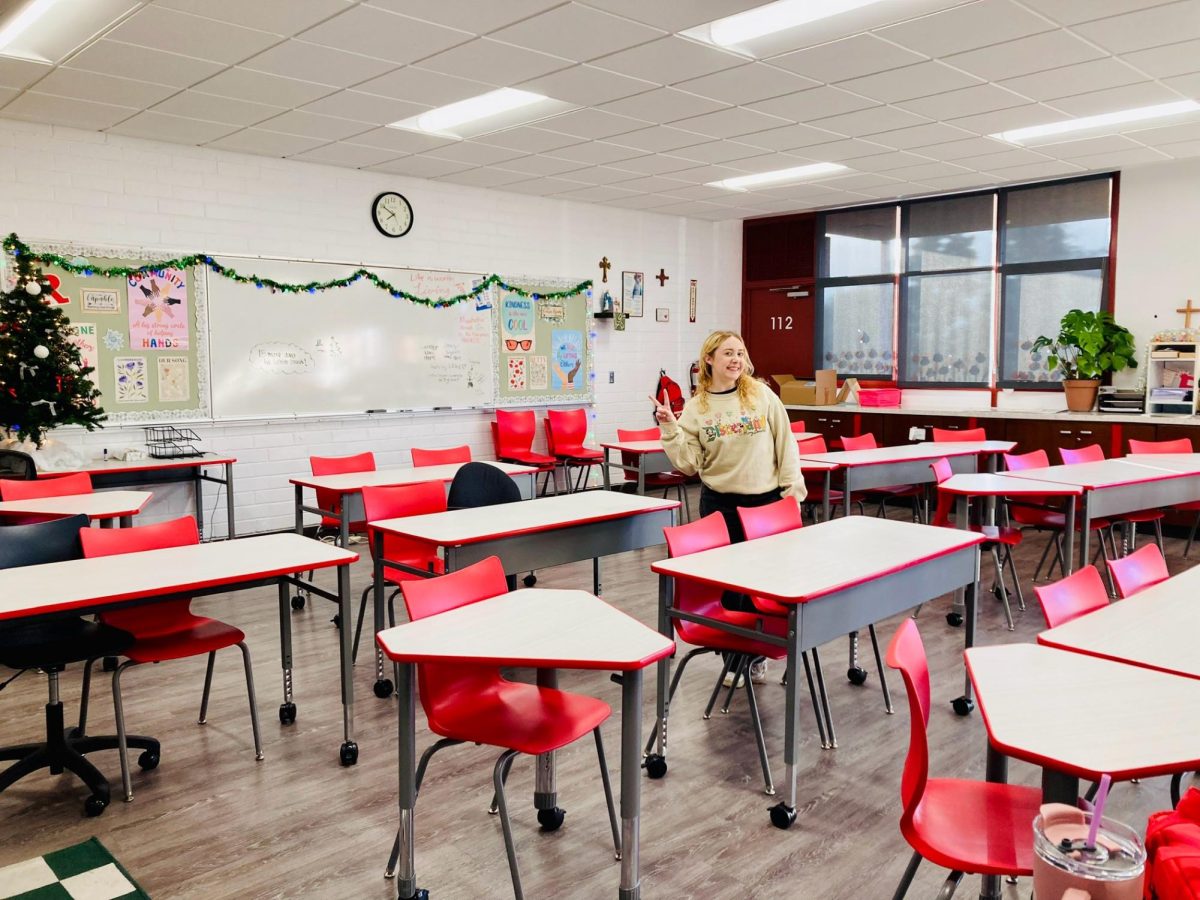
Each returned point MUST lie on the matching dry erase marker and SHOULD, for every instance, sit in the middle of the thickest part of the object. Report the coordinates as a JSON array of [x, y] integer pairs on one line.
[[369, 411]]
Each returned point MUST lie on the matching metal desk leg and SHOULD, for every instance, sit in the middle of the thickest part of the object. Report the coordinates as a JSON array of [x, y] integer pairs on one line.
[[783, 814], [198, 481], [126, 521], [604, 469], [299, 501], [1069, 538], [631, 785], [962, 514], [545, 788], [383, 687], [826, 511], [406, 873], [964, 704], [997, 772], [656, 763], [1058, 787], [349, 749], [230, 528], [1085, 533], [287, 711], [641, 460], [596, 575]]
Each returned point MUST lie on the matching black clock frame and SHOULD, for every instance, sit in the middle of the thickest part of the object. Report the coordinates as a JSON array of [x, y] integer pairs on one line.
[[412, 217]]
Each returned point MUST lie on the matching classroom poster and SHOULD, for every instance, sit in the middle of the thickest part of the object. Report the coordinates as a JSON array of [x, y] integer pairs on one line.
[[100, 301], [516, 323], [158, 310], [516, 373], [539, 373], [173, 384], [83, 336], [566, 358], [129, 373]]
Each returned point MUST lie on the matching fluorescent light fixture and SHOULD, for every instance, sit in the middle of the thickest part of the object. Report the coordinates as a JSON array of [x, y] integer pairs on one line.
[[745, 182], [23, 21], [779, 16], [445, 118], [1105, 120]]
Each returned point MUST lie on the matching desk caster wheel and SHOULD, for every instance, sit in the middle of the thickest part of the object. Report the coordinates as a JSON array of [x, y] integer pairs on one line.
[[655, 766], [109, 664], [383, 688], [954, 619], [348, 755], [856, 675], [94, 805], [337, 621], [148, 760], [298, 602], [551, 819], [782, 816], [287, 713], [962, 706], [529, 580], [419, 894]]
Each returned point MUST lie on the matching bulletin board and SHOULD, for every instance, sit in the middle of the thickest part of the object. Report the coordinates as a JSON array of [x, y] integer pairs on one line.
[[543, 346], [146, 336]]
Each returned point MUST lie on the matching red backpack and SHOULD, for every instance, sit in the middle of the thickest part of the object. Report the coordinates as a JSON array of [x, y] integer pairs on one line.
[[669, 393]]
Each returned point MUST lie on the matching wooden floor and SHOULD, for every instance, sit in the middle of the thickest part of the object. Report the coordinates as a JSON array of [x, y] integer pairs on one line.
[[211, 822]]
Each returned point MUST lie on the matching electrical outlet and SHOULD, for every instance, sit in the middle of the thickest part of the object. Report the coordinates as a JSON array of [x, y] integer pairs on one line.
[[916, 434], [612, 377]]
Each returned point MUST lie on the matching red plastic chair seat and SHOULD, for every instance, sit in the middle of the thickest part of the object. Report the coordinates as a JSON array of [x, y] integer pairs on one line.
[[191, 635], [969, 825], [1050, 518], [520, 716], [1005, 535], [705, 636], [1146, 515], [529, 458], [577, 452]]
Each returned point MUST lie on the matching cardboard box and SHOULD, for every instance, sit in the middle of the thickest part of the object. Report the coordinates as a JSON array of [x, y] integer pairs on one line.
[[821, 391]]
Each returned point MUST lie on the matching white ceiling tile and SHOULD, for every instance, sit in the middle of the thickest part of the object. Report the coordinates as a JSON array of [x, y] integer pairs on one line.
[[655, 164], [400, 140], [1187, 85], [732, 122], [705, 174], [6, 94], [918, 172], [659, 138], [1144, 28], [594, 152], [34, 107], [467, 15], [841, 151], [210, 108], [596, 193], [420, 167], [586, 85], [265, 143], [719, 152], [473, 153], [771, 162], [578, 32], [312, 62], [312, 125], [528, 139], [882, 162], [172, 129], [176, 32], [422, 85], [1165, 134], [641, 201], [1109, 143], [540, 165], [1163, 62], [791, 137], [1077, 79], [365, 107], [977, 146], [600, 175], [817, 103], [1130, 96], [259, 87], [384, 35], [592, 123], [1051, 169], [674, 16], [1008, 119], [691, 208], [1182, 150], [965, 28], [103, 88], [111, 58], [669, 60], [1051, 49], [702, 192], [542, 186], [910, 82], [979, 99], [283, 17], [1004, 159], [746, 84], [920, 136], [861, 181], [352, 156], [1070, 12], [852, 57], [19, 73], [959, 182], [494, 62], [663, 105], [656, 183], [871, 121], [484, 177]]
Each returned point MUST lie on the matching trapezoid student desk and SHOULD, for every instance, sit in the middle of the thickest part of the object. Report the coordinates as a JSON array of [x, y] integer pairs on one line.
[[836, 577], [542, 629], [101, 506], [217, 567]]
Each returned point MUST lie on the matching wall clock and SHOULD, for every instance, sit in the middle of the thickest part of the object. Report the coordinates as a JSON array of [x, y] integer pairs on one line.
[[392, 214]]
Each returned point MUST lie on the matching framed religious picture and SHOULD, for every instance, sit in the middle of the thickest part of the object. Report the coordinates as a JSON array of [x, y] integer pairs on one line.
[[633, 293]]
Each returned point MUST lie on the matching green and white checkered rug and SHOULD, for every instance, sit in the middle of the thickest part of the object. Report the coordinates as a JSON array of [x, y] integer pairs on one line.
[[86, 871]]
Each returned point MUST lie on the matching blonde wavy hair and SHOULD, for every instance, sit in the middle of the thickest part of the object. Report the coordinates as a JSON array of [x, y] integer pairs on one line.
[[745, 382]]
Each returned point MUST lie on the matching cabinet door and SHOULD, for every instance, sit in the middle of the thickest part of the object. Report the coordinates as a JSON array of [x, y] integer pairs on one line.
[[1172, 432], [896, 428]]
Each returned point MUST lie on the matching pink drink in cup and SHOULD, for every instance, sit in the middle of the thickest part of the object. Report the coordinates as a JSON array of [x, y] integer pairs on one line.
[[1111, 870]]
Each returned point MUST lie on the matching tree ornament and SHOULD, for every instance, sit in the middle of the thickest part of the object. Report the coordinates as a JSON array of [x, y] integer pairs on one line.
[[41, 351], [32, 288]]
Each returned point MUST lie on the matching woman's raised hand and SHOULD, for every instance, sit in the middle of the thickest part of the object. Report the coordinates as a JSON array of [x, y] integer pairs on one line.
[[662, 413]]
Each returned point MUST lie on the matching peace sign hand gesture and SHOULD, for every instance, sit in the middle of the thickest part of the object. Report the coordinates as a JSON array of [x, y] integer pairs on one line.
[[662, 413]]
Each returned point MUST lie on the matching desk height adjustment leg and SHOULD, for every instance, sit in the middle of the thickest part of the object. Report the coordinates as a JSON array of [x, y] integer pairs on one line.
[[406, 864], [783, 814], [348, 754], [545, 787], [964, 704], [655, 763], [631, 785], [287, 710]]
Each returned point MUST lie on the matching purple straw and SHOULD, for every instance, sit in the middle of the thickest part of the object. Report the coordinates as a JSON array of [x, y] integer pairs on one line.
[[1098, 809]]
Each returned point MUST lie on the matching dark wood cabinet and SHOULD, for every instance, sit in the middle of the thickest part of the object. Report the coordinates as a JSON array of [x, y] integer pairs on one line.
[[897, 426], [1049, 435], [1172, 431]]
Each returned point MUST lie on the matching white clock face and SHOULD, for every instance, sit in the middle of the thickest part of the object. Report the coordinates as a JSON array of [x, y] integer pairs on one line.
[[393, 215]]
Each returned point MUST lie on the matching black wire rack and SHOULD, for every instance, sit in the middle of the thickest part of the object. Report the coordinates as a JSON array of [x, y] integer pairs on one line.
[[169, 442]]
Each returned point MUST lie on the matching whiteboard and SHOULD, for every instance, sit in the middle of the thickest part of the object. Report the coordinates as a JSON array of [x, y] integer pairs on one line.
[[346, 350]]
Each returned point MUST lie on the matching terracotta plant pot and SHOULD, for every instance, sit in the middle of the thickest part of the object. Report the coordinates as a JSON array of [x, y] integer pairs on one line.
[[1081, 395]]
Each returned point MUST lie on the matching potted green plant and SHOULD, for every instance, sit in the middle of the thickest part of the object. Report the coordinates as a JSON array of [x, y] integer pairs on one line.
[[1088, 346]]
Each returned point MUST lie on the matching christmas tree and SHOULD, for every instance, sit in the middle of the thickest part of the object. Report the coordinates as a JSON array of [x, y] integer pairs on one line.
[[43, 381]]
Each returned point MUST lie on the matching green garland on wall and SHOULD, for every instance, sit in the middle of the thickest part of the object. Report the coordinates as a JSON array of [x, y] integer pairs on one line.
[[78, 266]]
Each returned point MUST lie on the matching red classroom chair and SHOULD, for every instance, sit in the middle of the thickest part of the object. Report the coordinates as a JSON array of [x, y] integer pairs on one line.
[[566, 430], [476, 704], [441, 456], [815, 484], [1179, 445], [161, 631], [882, 495], [331, 501], [512, 435], [969, 827], [1139, 570], [664, 480], [1095, 453], [63, 486], [798, 427], [958, 435], [1069, 598]]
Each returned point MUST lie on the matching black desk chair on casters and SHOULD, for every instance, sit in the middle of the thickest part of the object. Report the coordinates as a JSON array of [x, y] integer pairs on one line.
[[48, 644], [478, 484], [17, 465]]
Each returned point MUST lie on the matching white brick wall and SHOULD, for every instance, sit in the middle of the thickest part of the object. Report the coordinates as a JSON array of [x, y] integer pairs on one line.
[[60, 184]]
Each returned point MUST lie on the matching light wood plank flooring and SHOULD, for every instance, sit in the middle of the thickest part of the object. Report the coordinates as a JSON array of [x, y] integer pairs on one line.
[[211, 822]]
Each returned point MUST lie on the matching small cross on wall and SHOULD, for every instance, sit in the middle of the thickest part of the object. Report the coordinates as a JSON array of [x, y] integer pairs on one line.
[[1188, 311], [605, 265], [663, 277]]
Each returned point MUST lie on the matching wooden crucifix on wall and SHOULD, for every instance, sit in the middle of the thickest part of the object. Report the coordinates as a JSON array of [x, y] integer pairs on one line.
[[663, 277], [605, 265], [1188, 311]]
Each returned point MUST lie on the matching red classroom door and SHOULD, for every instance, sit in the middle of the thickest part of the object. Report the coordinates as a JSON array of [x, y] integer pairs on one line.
[[779, 331]]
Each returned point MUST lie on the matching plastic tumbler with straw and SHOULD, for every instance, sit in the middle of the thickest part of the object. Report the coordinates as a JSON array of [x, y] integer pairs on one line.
[[1087, 852]]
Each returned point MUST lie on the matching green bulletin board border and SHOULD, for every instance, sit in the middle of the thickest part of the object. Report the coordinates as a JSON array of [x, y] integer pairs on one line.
[[198, 335], [578, 315]]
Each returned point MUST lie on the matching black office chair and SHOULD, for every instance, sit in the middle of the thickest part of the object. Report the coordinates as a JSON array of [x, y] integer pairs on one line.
[[49, 643], [17, 465], [479, 484]]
